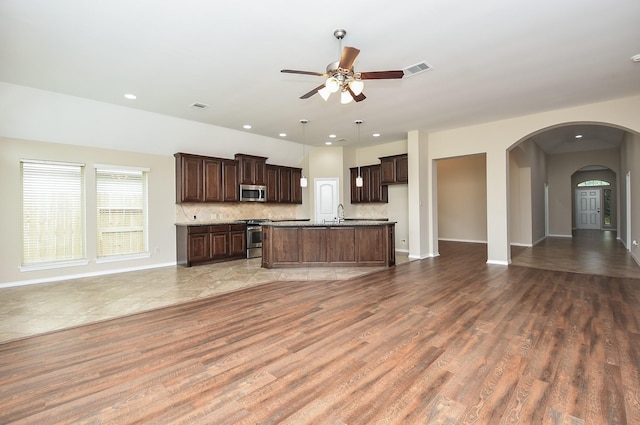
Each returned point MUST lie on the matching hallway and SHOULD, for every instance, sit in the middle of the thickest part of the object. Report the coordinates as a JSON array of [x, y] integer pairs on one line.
[[589, 251]]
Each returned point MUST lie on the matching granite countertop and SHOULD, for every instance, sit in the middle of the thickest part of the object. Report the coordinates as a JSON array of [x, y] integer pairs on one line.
[[239, 221], [350, 223], [208, 223]]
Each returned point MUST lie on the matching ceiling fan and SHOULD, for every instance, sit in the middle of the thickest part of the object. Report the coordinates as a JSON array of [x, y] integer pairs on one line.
[[340, 76]]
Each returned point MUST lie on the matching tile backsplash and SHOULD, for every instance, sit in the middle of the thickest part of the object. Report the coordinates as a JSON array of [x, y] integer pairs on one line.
[[205, 213]]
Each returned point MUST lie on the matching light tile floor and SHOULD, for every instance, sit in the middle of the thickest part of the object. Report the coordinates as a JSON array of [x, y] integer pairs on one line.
[[33, 309]]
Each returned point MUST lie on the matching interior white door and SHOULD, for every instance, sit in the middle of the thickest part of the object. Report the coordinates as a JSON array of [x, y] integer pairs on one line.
[[588, 208], [326, 199]]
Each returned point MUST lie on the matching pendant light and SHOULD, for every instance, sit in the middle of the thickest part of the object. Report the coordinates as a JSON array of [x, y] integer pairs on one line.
[[303, 179], [359, 181]]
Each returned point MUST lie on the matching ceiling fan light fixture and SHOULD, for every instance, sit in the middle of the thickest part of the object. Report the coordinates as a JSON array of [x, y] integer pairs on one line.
[[356, 86], [324, 93], [332, 84], [345, 97]]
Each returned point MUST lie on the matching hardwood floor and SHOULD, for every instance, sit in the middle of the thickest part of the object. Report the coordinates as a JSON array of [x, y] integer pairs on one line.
[[447, 340]]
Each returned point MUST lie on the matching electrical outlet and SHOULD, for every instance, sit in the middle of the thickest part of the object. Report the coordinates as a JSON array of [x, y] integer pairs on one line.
[[635, 243], [194, 217], [404, 241]]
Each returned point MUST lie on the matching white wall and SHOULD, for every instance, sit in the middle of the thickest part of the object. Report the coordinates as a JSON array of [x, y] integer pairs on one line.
[[630, 163], [462, 198]]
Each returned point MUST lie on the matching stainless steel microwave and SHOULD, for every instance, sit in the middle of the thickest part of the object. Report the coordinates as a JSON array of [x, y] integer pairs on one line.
[[253, 193]]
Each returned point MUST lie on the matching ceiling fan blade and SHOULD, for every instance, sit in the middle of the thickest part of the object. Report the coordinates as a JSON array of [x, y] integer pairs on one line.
[[294, 71], [381, 75], [357, 98], [312, 92], [349, 55]]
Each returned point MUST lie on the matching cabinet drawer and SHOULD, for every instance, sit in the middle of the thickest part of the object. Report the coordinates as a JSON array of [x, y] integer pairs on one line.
[[238, 227], [219, 228], [198, 229]]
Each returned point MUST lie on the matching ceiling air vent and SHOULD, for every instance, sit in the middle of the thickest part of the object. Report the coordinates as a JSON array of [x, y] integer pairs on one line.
[[199, 105], [416, 69]]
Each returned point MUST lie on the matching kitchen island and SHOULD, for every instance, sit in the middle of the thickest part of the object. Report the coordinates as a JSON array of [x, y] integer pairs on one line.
[[333, 244]]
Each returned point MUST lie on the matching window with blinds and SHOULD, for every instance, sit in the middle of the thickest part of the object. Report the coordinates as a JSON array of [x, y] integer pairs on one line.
[[52, 212], [121, 200]]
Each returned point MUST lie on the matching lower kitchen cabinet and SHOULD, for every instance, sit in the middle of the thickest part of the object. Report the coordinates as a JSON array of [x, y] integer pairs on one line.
[[340, 245], [209, 243]]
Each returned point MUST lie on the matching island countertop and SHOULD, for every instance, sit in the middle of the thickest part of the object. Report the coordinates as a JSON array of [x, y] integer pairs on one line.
[[345, 223]]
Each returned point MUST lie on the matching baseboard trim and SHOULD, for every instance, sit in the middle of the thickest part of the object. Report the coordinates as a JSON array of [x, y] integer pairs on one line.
[[635, 257], [560, 236], [498, 262], [82, 275], [526, 245], [422, 257], [460, 240]]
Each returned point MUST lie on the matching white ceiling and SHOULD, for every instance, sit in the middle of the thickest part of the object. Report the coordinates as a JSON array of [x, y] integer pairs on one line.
[[491, 59]]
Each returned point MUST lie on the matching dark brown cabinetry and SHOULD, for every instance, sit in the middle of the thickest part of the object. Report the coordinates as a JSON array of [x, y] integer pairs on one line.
[[209, 179], [341, 245], [251, 169], [273, 192], [296, 189], [283, 184], [372, 189], [395, 169], [205, 179], [209, 243], [230, 180]]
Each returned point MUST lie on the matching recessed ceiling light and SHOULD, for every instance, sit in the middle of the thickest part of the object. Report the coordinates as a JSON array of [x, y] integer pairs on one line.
[[328, 143], [376, 134], [283, 134], [246, 127], [635, 58], [332, 136], [578, 136], [130, 96]]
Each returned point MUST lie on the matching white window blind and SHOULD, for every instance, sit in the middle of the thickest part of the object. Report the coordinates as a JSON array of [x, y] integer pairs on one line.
[[121, 198], [52, 212]]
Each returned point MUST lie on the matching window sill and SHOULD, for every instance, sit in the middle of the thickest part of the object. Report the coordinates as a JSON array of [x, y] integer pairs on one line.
[[115, 258], [57, 265]]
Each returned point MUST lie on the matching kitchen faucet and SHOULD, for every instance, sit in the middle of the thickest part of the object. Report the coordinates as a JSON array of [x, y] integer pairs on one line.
[[340, 213]]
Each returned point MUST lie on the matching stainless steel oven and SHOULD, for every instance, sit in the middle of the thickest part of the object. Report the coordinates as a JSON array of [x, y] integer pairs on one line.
[[254, 240], [254, 237]]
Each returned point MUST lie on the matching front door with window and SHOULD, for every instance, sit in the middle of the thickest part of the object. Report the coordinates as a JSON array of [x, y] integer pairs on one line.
[[588, 209]]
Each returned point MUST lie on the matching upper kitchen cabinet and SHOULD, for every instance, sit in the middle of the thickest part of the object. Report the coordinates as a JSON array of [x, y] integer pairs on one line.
[[252, 169], [283, 184], [205, 179], [296, 189], [189, 178], [273, 192], [372, 189], [230, 180], [395, 169]]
